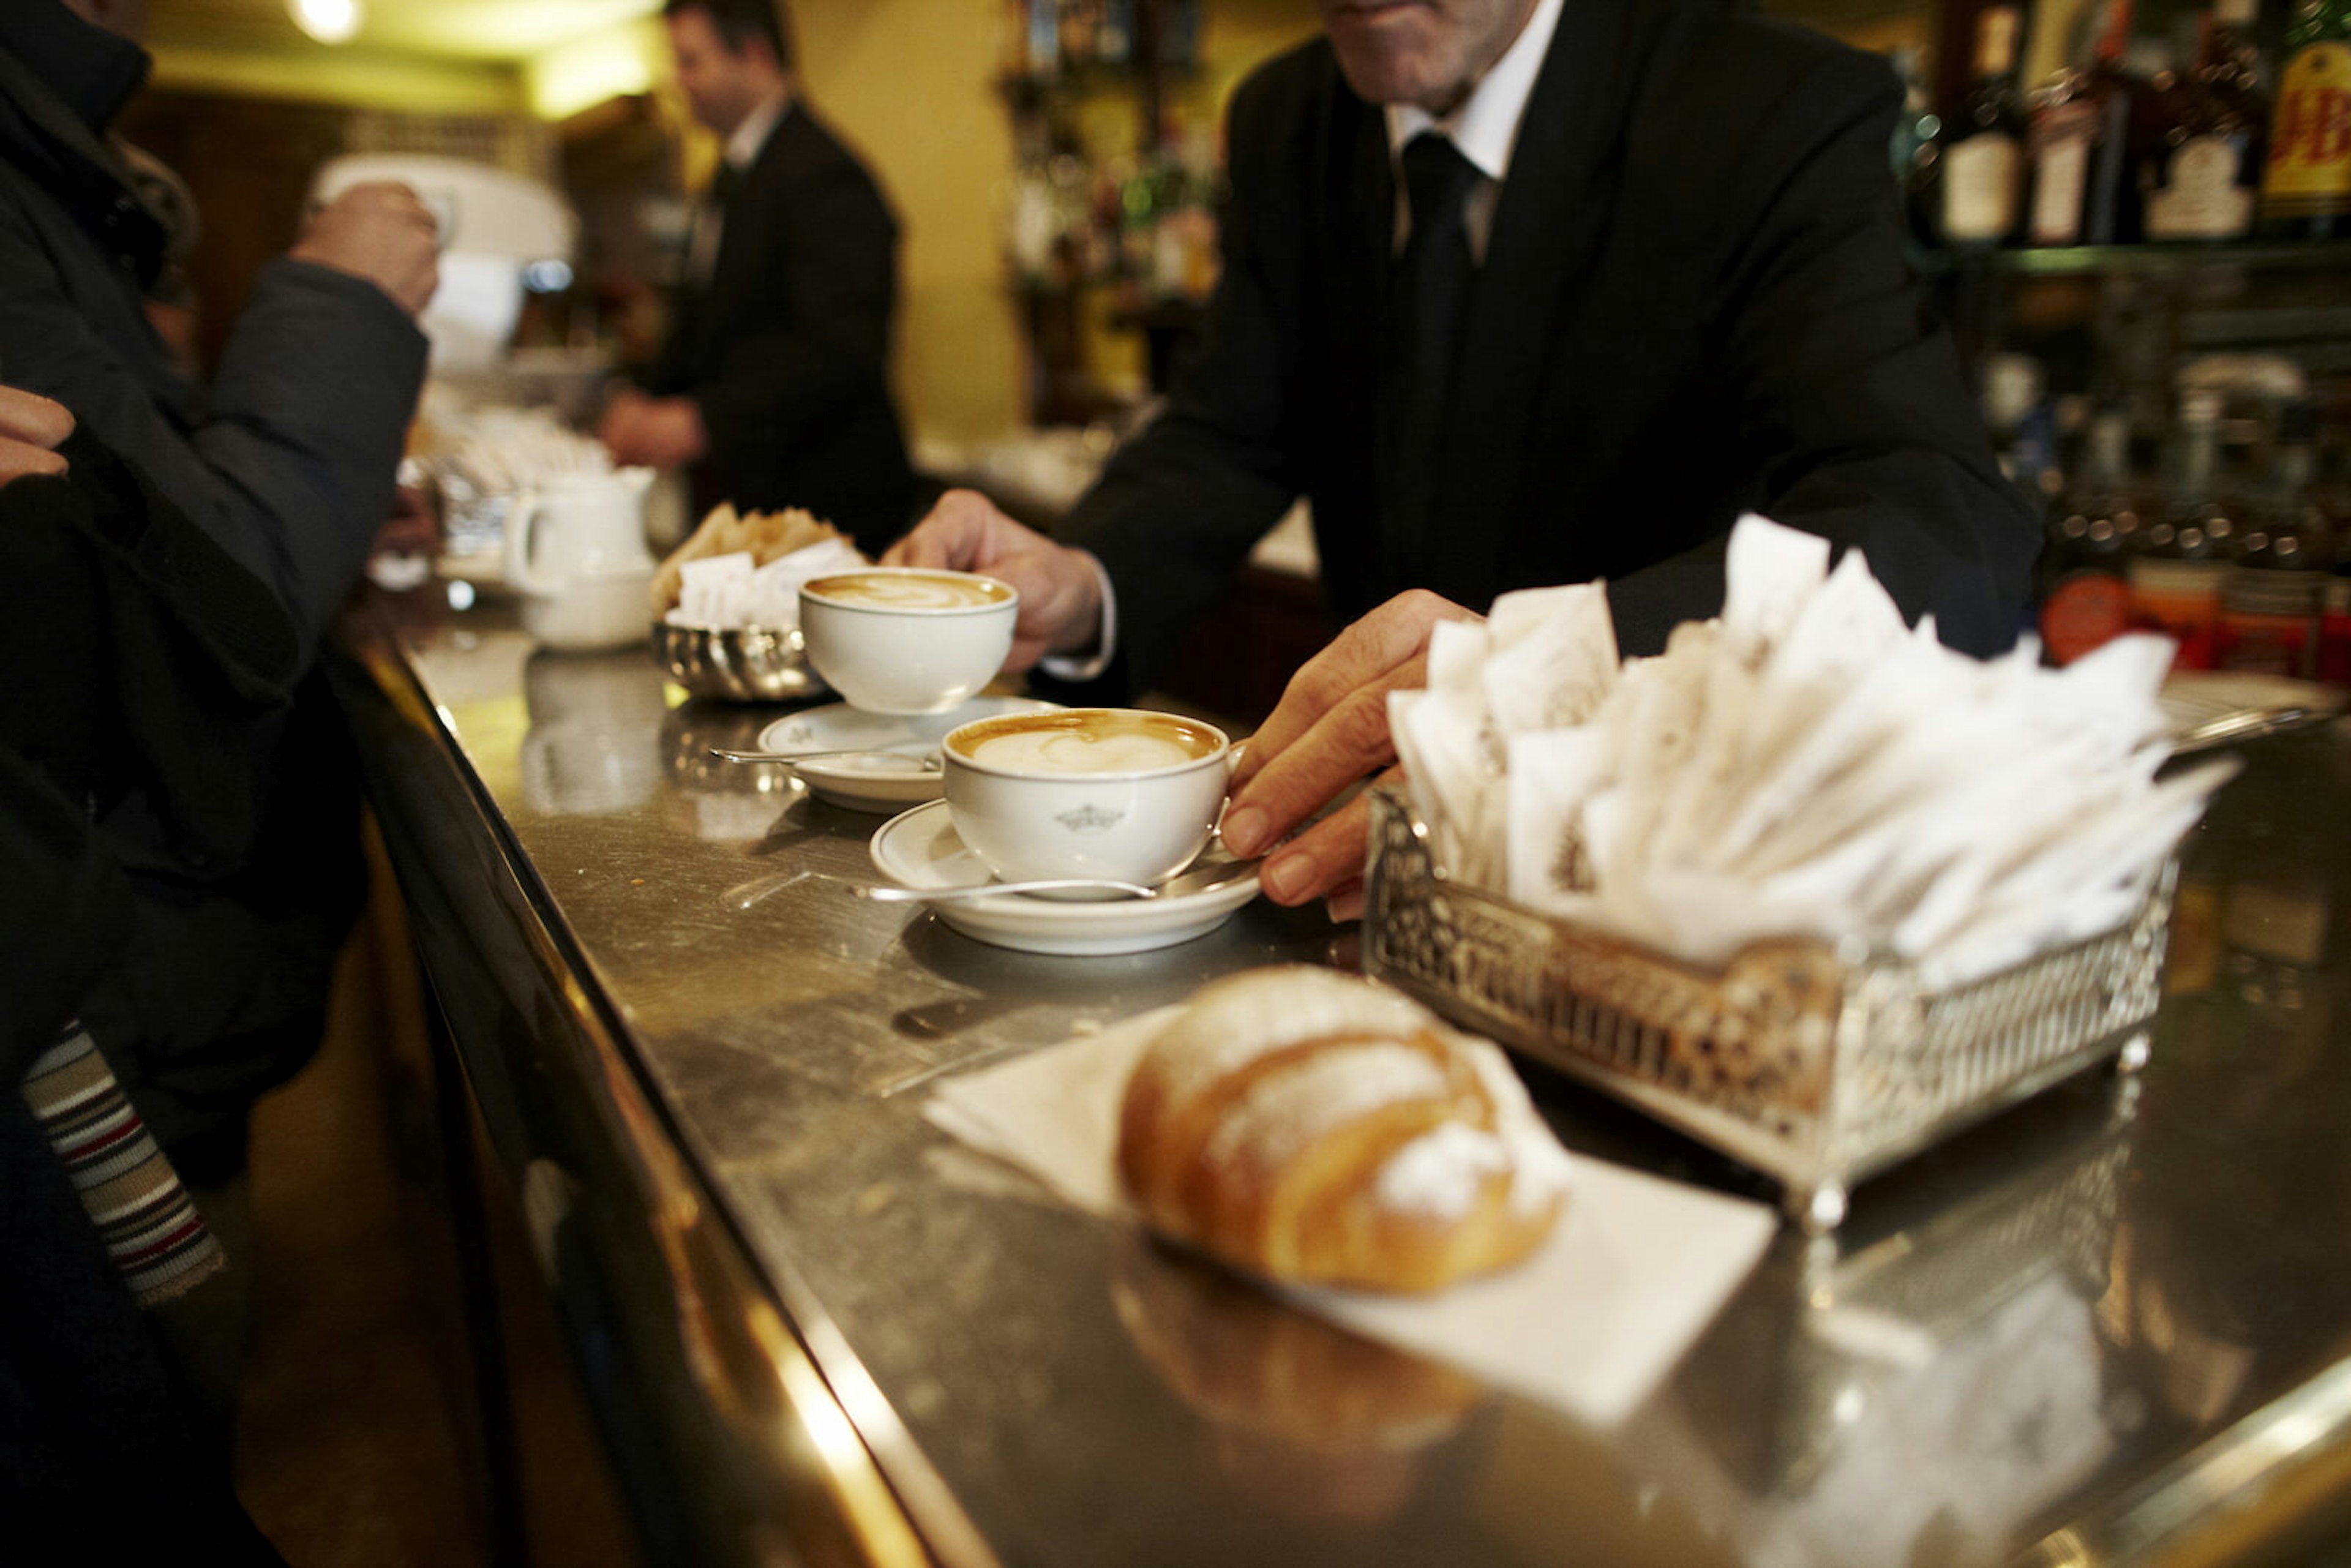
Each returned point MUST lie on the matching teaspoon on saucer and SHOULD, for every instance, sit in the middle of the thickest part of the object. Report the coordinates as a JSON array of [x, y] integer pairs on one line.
[[793, 759], [1198, 880]]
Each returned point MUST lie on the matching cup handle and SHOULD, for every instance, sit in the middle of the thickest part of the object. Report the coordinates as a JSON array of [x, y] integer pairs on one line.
[[522, 519]]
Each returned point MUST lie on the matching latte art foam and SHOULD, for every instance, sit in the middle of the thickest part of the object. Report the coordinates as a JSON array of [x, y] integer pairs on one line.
[[1026, 751], [1085, 740], [910, 591]]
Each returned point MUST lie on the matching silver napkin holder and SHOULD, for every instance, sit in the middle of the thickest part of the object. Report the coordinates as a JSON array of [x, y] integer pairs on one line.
[[1817, 1064]]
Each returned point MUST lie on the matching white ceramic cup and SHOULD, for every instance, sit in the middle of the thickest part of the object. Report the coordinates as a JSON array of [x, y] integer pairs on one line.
[[575, 552], [907, 639], [1120, 793]]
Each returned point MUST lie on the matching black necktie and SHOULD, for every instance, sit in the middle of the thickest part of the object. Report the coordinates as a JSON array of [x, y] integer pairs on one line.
[[1428, 297], [726, 184]]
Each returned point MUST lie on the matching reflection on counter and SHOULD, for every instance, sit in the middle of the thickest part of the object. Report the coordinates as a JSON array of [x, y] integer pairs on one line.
[[590, 715], [1306, 1417], [1929, 1392], [710, 797]]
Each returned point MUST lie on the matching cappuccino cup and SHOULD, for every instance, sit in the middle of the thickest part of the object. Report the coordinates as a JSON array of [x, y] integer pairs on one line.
[[906, 640], [1122, 793]]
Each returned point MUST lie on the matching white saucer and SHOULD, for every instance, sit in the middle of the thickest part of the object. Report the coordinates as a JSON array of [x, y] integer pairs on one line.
[[877, 783], [920, 850]]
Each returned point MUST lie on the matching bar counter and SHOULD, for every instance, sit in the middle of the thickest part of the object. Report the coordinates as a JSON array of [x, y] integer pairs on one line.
[[2111, 1325]]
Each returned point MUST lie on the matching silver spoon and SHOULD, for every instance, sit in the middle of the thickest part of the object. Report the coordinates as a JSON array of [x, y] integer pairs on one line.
[[792, 758], [1198, 880]]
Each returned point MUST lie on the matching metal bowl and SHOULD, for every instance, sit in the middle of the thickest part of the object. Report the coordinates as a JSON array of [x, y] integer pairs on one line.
[[739, 664]]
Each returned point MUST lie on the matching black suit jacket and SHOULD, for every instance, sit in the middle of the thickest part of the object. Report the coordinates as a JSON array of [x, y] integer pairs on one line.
[[1693, 302], [787, 351]]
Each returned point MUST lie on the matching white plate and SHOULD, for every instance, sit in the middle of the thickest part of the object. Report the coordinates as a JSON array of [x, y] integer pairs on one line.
[[876, 783], [920, 850]]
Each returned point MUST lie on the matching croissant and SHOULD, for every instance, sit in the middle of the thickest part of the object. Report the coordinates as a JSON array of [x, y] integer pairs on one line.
[[1319, 1128]]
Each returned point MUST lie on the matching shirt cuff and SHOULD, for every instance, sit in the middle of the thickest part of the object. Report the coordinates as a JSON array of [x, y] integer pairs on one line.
[[1089, 667]]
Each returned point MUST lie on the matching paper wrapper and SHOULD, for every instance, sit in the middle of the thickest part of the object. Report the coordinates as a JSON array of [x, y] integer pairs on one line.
[[1635, 1270], [733, 590], [1805, 766]]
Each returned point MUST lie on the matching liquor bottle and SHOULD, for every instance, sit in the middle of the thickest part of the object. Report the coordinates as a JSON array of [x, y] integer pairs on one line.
[[2080, 146], [2084, 601], [2177, 571], [2271, 603], [1114, 33], [2202, 170], [1978, 167], [2307, 186]]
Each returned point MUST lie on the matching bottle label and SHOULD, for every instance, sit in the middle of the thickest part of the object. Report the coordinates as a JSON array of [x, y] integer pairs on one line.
[[2201, 199], [2309, 170], [2085, 612], [2062, 179], [1996, 42], [1981, 176]]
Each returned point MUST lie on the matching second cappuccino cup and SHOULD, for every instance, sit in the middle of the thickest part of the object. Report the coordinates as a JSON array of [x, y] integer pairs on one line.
[[1118, 793], [907, 639]]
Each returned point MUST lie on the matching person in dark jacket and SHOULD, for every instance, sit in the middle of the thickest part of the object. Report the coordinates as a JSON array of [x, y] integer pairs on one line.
[[774, 384], [285, 461], [133, 669], [1659, 281]]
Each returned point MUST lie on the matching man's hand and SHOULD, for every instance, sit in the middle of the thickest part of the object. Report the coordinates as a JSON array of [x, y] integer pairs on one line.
[[381, 232], [1061, 596], [30, 428], [1328, 733], [655, 432]]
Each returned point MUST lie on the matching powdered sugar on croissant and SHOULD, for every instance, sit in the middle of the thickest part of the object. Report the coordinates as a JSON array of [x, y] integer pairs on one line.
[[1315, 1127]]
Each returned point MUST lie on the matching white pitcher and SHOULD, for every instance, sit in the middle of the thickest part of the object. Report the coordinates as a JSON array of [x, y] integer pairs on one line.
[[576, 555]]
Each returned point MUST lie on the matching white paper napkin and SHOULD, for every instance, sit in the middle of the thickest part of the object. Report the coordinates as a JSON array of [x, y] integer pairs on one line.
[[1635, 1270]]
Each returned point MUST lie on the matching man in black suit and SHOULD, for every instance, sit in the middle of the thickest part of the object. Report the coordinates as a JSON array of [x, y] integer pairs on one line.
[[1522, 292], [774, 384]]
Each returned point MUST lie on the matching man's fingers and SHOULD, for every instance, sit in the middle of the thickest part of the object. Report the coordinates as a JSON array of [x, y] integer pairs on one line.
[[959, 535], [19, 459], [1325, 857], [1393, 634], [34, 420], [1346, 741]]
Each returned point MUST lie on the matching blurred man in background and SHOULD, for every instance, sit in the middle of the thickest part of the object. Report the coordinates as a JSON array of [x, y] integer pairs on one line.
[[773, 384]]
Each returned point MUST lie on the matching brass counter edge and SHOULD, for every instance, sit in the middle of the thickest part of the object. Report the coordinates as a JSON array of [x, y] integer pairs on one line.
[[825, 1415], [2214, 1504]]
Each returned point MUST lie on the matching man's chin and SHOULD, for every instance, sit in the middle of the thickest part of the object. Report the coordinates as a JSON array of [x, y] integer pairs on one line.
[[1386, 56]]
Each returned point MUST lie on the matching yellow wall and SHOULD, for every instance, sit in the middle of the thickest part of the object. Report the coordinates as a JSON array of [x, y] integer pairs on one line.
[[909, 84], [357, 79]]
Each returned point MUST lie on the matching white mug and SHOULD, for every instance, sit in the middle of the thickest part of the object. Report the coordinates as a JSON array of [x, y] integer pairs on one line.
[[907, 639], [1120, 793], [575, 553]]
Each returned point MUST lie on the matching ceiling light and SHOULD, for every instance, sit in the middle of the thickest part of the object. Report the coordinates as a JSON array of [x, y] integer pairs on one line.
[[329, 21]]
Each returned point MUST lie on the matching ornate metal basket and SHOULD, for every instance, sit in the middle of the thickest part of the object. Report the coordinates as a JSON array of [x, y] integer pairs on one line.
[[1813, 1066]]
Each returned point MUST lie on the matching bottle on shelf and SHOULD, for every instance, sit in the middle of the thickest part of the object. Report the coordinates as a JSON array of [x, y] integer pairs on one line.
[[2178, 568], [2201, 173], [1913, 152], [2272, 602], [2306, 185], [1035, 38], [1114, 33], [2082, 143], [2084, 599], [1977, 170]]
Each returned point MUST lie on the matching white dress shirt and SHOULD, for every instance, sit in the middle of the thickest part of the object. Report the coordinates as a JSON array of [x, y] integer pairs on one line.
[[742, 151], [1485, 127]]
